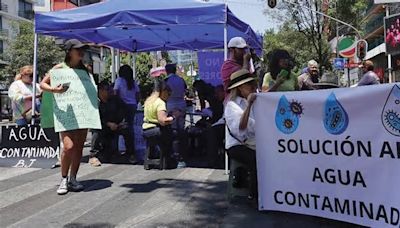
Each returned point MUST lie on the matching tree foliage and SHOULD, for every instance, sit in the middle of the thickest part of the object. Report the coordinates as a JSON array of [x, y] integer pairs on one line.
[[316, 29], [290, 39], [349, 11], [20, 52]]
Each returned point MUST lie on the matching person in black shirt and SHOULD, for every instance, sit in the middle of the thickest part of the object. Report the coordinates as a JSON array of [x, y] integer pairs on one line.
[[112, 115]]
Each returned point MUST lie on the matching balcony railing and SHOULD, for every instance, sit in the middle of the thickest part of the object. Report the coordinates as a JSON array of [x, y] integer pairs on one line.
[[28, 14], [4, 7], [375, 42], [374, 24]]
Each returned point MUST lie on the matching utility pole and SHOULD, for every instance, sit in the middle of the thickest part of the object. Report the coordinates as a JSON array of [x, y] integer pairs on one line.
[[389, 56]]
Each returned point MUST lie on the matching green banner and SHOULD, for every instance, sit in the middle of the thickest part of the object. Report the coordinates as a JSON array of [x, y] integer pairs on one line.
[[77, 108]]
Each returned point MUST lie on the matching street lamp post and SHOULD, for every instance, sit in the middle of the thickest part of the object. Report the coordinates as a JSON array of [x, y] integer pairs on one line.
[[389, 56]]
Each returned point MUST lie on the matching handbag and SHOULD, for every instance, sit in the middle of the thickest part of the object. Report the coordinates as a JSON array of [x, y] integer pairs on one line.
[[27, 115], [151, 132]]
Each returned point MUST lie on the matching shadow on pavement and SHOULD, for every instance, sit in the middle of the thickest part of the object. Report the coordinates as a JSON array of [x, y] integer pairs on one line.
[[96, 184], [95, 225]]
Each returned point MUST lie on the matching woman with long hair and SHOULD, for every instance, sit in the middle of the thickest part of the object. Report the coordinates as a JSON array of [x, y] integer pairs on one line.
[[73, 140], [21, 94], [127, 89], [280, 76]]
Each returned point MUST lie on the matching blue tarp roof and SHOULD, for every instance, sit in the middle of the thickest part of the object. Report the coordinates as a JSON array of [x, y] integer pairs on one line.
[[148, 25]]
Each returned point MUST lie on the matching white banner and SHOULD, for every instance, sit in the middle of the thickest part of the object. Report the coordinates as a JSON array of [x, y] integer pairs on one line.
[[331, 153]]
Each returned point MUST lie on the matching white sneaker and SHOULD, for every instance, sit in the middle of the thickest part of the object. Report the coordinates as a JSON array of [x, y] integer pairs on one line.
[[74, 185], [63, 188]]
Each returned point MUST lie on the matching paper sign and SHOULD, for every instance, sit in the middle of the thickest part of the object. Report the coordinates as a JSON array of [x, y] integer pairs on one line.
[[77, 108], [28, 147]]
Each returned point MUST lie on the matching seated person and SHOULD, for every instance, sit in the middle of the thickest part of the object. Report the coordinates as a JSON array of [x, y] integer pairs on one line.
[[240, 124], [216, 133], [156, 116], [204, 91], [112, 115]]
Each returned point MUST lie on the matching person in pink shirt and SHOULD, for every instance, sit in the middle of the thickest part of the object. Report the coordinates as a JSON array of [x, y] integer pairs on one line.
[[237, 59]]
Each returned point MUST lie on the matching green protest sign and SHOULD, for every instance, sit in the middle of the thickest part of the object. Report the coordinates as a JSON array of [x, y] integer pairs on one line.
[[46, 111], [77, 108]]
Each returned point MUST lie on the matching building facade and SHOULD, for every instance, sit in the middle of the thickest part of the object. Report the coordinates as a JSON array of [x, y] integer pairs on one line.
[[68, 4], [375, 35], [11, 11]]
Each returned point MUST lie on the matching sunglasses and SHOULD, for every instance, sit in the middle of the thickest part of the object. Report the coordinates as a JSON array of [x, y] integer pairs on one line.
[[28, 75]]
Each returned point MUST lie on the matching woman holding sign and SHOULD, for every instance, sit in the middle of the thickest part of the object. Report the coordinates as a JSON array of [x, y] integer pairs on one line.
[[73, 138]]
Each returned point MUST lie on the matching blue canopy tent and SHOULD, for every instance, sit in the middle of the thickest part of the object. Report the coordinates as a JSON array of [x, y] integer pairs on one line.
[[137, 25], [148, 25]]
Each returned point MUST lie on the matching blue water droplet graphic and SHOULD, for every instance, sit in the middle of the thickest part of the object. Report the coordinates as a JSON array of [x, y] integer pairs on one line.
[[285, 120], [336, 119], [391, 112]]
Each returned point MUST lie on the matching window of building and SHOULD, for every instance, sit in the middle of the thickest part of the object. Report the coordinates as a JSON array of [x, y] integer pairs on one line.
[[83, 2], [25, 9], [1, 47]]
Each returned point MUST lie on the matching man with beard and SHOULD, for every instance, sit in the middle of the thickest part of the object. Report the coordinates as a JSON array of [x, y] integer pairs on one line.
[[238, 59], [306, 81]]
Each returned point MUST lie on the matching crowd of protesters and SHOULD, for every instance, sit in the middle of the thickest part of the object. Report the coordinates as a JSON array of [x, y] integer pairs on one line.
[[229, 122]]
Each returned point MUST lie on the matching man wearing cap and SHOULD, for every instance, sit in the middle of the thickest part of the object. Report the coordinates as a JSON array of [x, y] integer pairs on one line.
[[73, 140], [237, 59], [369, 77], [240, 139]]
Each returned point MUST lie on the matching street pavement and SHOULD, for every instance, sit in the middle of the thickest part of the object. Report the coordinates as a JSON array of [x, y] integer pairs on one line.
[[122, 195]]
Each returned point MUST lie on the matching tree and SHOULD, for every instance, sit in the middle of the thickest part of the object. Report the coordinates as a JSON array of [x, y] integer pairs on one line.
[[311, 25], [20, 52], [143, 66], [349, 11], [317, 28], [290, 39]]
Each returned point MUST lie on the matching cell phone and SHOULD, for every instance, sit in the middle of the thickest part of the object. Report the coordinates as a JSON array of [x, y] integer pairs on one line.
[[66, 85], [284, 73]]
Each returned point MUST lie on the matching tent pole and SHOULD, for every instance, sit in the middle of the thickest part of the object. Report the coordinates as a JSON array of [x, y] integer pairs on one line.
[[101, 61], [35, 49], [225, 58], [134, 65], [112, 65], [118, 62], [226, 33]]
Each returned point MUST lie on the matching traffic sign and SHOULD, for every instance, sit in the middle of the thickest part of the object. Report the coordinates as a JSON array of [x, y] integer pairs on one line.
[[339, 63]]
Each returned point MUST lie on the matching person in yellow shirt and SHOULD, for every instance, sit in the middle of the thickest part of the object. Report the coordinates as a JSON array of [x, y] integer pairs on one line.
[[156, 120], [155, 108]]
